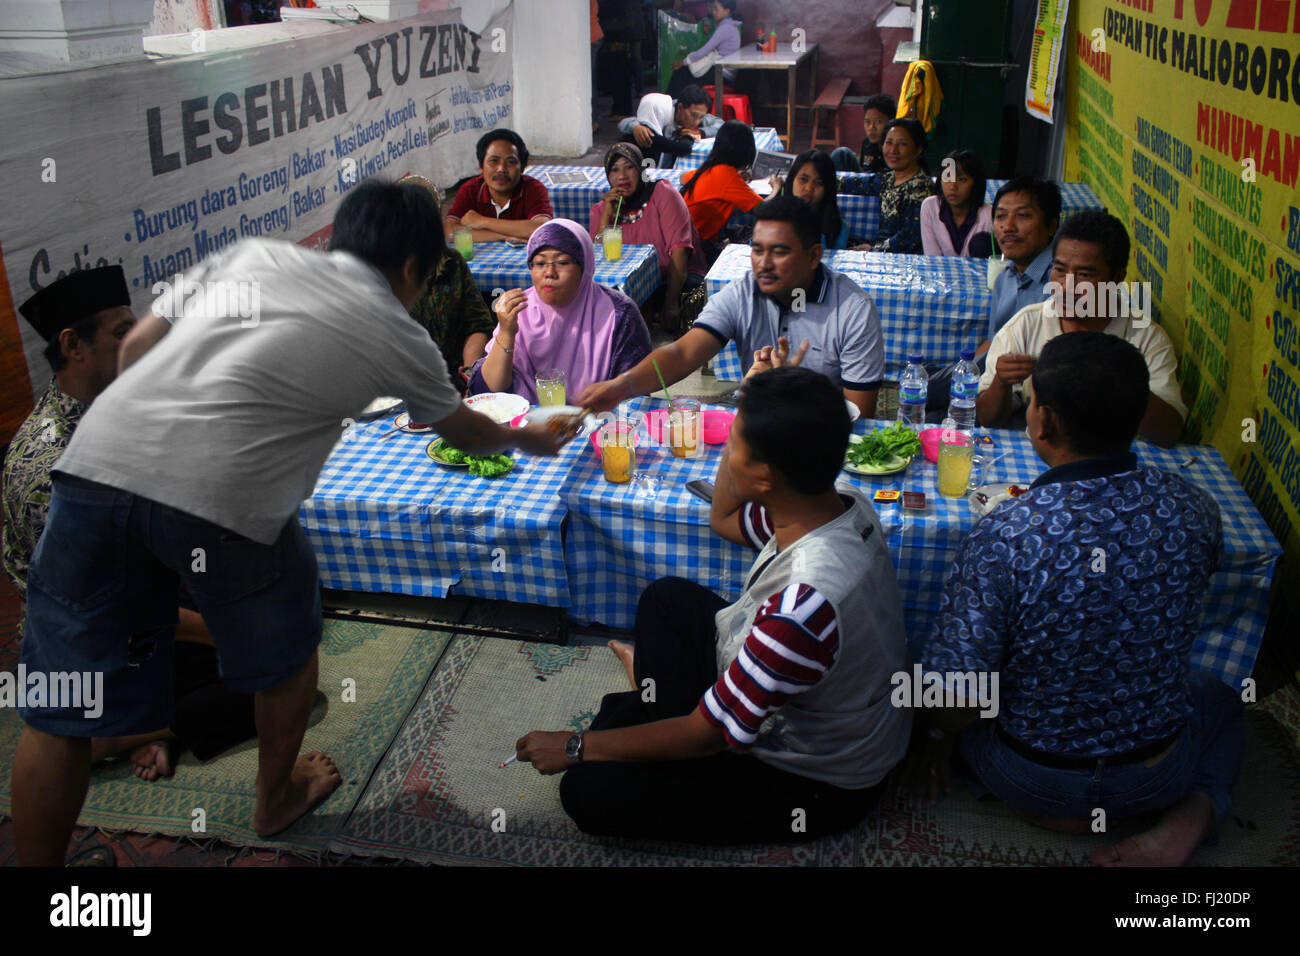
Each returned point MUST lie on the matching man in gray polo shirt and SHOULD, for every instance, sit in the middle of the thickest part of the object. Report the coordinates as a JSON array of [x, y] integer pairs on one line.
[[791, 296]]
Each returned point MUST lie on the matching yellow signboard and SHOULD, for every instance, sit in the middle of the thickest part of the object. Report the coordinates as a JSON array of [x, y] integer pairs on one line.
[[1184, 116]]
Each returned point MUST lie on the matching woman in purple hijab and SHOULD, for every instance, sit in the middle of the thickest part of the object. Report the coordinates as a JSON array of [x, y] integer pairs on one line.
[[565, 321]]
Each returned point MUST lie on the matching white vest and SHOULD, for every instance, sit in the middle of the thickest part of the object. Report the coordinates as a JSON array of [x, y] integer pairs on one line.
[[843, 730]]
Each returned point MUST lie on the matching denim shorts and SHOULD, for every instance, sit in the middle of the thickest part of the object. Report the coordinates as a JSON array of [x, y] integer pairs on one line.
[[102, 601]]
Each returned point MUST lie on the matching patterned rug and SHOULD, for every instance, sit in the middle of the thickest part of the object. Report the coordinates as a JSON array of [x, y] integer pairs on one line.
[[389, 666], [439, 795]]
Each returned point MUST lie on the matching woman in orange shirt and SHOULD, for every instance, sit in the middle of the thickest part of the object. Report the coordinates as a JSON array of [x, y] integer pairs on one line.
[[716, 189]]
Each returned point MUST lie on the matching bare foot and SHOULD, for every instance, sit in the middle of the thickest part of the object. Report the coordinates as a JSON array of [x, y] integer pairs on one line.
[[1170, 842], [625, 651], [314, 778], [152, 761]]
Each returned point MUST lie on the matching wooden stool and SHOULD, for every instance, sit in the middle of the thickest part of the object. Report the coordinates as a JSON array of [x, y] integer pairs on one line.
[[831, 99]]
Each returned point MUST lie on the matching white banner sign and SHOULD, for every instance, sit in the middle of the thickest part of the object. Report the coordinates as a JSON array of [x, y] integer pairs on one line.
[[155, 164]]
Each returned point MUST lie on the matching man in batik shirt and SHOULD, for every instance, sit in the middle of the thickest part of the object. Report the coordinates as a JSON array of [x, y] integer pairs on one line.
[[452, 310], [82, 317], [454, 314]]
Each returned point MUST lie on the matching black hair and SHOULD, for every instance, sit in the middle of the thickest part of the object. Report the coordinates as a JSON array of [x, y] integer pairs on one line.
[[691, 95], [829, 210], [799, 214], [969, 162], [510, 136], [85, 328], [795, 421], [1097, 384], [881, 103], [1045, 192], [914, 130], [1093, 225], [734, 146], [384, 224], [729, 4]]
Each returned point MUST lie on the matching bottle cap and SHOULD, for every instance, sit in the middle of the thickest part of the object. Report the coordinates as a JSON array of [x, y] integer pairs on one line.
[[967, 355], [916, 360]]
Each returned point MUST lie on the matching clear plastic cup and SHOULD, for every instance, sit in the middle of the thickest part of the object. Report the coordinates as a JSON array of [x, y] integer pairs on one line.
[[550, 387], [618, 451], [956, 450], [612, 238], [684, 427], [462, 237]]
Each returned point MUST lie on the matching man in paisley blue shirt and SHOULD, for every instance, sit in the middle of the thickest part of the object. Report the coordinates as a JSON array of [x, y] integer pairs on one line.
[[1084, 596]]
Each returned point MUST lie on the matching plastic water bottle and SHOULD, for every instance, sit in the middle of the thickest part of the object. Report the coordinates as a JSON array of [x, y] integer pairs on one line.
[[912, 390], [965, 389]]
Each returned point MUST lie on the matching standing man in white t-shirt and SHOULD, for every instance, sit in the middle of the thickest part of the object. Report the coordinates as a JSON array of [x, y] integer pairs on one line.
[[190, 467], [1088, 295]]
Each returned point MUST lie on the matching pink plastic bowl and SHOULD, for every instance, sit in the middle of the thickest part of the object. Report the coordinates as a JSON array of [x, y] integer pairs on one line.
[[930, 443], [715, 425]]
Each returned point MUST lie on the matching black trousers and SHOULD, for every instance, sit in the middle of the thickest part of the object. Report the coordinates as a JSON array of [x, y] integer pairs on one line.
[[723, 799], [681, 78], [615, 64], [209, 717]]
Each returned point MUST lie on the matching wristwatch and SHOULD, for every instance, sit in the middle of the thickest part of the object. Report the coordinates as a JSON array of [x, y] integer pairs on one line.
[[573, 749]]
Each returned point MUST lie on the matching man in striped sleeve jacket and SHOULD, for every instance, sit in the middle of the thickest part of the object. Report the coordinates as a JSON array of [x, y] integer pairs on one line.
[[767, 719]]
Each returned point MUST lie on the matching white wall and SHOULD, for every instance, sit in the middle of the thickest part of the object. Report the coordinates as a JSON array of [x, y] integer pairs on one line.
[[552, 63]]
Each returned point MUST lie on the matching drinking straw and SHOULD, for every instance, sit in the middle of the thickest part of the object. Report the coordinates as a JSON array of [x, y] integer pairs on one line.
[[661, 378], [618, 210]]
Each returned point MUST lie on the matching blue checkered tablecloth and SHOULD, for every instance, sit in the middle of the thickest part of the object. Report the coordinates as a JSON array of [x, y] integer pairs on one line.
[[1075, 197], [934, 305], [499, 265], [385, 518], [765, 137], [863, 212], [573, 200], [623, 537]]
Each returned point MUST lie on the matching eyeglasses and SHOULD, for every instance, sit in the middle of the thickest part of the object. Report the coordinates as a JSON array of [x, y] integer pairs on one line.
[[541, 265]]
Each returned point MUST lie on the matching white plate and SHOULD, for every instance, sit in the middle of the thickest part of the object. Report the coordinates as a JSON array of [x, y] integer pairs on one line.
[[403, 421], [891, 467], [381, 406], [547, 412], [987, 497], [854, 414], [498, 406]]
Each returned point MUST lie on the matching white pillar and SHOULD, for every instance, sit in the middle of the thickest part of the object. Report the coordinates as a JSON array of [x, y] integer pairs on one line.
[[73, 32], [552, 76]]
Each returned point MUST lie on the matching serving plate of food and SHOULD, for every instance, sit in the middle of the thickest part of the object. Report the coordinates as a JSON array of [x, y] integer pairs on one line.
[[403, 421], [987, 497], [885, 451], [561, 417], [489, 466], [381, 406], [501, 407]]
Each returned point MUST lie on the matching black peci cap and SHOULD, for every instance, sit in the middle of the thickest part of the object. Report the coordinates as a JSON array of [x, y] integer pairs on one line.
[[74, 297]]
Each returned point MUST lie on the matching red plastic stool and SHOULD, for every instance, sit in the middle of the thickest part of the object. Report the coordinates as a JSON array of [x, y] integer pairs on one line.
[[734, 105]]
